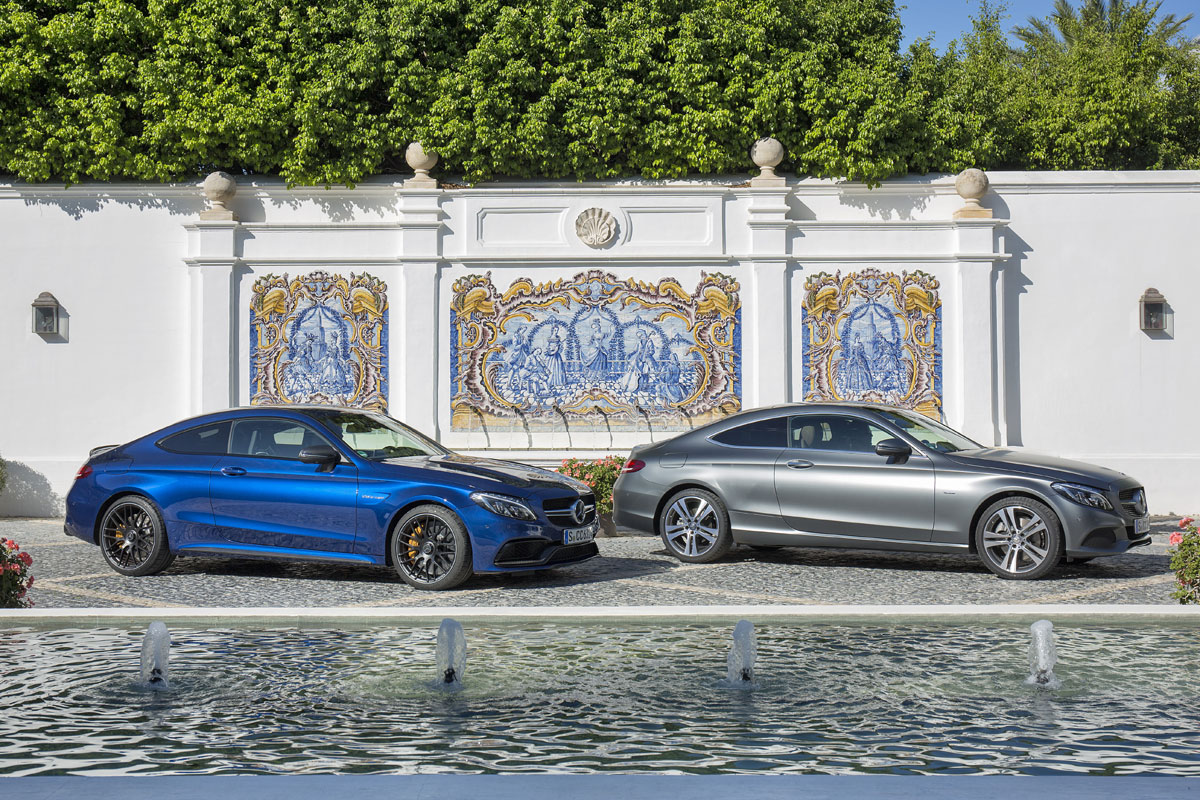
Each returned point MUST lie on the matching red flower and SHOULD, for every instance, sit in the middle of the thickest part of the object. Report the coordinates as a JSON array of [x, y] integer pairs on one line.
[[1186, 521], [29, 583], [1175, 538], [26, 559]]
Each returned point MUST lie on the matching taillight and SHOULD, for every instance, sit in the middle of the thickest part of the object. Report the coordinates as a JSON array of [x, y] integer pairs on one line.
[[632, 465], [84, 471]]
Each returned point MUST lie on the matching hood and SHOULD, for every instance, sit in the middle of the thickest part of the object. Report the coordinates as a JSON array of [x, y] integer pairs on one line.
[[1040, 465], [509, 473]]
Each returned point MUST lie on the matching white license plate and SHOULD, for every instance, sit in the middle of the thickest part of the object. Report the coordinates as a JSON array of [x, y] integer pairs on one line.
[[580, 535], [1141, 525]]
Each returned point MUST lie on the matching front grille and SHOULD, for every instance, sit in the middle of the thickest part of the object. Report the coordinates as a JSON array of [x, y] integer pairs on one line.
[[1133, 501], [559, 510]]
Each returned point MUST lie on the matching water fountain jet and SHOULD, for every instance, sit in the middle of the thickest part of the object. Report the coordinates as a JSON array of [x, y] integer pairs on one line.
[[156, 654], [743, 654], [1042, 656], [451, 652]]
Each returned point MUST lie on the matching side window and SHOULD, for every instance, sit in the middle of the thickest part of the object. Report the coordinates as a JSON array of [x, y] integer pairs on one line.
[[205, 440], [833, 432], [764, 433], [272, 438]]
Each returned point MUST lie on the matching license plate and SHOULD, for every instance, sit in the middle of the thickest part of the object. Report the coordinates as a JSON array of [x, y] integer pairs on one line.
[[580, 535], [1141, 525]]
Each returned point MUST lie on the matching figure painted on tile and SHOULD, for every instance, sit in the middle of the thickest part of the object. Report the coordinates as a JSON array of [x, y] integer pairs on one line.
[[556, 369], [669, 383], [888, 365], [517, 354], [595, 356], [856, 369], [640, 367]]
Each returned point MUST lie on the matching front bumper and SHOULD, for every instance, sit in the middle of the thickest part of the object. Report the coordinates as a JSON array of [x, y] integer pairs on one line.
[[1091, 532]]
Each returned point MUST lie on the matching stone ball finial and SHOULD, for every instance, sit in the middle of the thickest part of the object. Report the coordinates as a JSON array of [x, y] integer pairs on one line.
[[421, 162], [971, 184], [219, 188], [766, 154]]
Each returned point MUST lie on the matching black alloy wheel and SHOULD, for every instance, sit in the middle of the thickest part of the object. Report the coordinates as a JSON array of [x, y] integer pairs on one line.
[[133, 539], [431, 549]]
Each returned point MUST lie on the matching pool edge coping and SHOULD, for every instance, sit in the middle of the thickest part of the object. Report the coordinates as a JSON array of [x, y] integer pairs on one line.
[[350, 614]]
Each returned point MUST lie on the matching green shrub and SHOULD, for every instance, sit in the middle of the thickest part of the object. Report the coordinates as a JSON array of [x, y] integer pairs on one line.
[[599, 475], [15, 576], [1185, 560]]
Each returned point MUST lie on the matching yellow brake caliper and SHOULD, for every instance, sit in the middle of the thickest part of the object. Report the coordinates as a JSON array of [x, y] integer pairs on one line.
[[412, 541]]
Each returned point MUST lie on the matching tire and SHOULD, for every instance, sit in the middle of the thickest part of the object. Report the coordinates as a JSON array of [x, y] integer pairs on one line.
[[1019, 538], [430, 548], [133, 538], [694, 526]]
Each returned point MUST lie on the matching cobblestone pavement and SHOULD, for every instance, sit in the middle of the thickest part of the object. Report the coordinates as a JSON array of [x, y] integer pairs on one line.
[[630, 571]]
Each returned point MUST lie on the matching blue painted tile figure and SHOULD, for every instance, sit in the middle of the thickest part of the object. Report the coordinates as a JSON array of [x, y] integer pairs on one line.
[[873, 336], [595, 350]]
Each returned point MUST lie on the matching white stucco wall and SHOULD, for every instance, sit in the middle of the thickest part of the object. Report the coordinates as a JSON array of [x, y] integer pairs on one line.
[[1041, 340]]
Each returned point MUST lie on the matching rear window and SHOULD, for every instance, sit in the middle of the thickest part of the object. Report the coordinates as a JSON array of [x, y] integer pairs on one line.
[[204, 440], [764, 433]]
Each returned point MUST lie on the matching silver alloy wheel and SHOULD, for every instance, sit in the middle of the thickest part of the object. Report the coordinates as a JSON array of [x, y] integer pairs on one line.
[[691, 526], [1016, 539]]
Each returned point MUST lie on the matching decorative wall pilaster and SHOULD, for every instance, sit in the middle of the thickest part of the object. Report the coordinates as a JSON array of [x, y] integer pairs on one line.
[[767, 353], [213, 355], [420, 263]]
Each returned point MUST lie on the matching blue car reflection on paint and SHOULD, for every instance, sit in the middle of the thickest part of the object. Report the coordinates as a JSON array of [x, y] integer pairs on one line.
[[325, 484]]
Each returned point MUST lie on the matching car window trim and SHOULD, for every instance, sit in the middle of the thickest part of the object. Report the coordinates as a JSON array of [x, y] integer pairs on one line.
[[234, 421]]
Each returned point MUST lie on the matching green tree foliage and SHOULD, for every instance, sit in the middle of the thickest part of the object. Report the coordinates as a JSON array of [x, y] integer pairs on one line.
[[584, 89]]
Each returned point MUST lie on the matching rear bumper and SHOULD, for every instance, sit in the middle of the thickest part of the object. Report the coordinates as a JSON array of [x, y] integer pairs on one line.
[[635, 503]]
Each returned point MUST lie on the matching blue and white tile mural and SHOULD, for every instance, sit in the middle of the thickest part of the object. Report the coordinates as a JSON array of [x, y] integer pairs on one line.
[[596, 349], [874, 336], [319, 338]]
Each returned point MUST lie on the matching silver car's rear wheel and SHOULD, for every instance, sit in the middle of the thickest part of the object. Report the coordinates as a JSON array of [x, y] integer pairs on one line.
[[1019, 538], [694, 526]]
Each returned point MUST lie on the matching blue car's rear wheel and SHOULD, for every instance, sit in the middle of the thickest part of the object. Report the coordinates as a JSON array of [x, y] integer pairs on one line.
[[431, 549], [133, 538]]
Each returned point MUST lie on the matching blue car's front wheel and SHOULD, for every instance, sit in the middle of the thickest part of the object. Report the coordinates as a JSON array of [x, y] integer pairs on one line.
[[431, 548], [133, 538]]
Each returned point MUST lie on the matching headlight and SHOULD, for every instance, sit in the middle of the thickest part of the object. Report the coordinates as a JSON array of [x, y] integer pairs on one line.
[[504, 506], [1083, 495]]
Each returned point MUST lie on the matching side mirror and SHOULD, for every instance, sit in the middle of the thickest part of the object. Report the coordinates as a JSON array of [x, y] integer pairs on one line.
[[322, 454], [893, 448]]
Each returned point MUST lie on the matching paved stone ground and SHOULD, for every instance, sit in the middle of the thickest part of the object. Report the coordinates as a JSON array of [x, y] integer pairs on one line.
[[630, 571]]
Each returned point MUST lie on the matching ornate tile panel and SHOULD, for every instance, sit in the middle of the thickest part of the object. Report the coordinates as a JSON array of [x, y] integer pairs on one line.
[[874, 336], [319, 338], [596, 350]]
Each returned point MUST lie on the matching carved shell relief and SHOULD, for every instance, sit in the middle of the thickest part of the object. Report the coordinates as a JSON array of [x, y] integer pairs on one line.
[[595, 227]]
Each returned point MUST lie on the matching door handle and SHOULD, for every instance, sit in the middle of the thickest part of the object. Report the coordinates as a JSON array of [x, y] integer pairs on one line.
[[799, 464], [232, 471]]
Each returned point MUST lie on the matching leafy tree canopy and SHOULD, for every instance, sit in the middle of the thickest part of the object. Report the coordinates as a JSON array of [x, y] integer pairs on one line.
[[584, 89]]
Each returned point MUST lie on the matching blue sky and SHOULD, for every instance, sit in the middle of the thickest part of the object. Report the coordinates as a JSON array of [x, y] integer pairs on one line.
[[946, 19]]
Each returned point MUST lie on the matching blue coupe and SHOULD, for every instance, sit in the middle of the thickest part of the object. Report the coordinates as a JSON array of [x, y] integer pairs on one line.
[[325, 484]]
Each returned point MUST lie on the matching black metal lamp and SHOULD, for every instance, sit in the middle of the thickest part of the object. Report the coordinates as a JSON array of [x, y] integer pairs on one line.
[[46, 315], [1153, 310]]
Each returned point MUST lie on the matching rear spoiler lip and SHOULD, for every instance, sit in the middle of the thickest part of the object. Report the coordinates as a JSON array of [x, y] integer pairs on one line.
[[104, 448]]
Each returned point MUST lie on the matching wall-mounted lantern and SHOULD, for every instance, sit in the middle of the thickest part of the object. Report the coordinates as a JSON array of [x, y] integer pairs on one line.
[[47, 317], [1153, 307]]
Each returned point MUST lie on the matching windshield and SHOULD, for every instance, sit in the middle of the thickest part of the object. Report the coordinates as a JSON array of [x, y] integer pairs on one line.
[[933, 435], [376, 436]]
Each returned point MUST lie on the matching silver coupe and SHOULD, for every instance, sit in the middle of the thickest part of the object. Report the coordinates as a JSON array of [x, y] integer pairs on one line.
[[861, 475]]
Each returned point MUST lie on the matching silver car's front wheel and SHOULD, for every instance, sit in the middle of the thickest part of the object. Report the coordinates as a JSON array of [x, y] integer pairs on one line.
[[1019, 538], [694, 526]]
